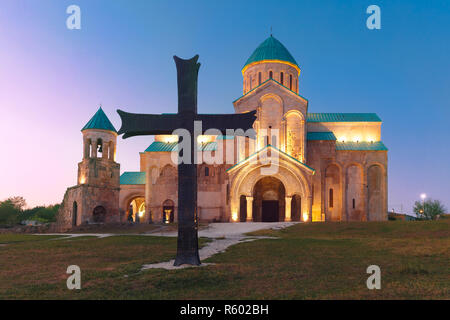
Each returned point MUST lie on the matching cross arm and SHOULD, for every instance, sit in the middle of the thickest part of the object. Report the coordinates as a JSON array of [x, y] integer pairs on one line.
[[223, 122], [135, 124]]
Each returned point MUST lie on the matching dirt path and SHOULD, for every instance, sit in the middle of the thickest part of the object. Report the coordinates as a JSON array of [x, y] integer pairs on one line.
[[223, 236]]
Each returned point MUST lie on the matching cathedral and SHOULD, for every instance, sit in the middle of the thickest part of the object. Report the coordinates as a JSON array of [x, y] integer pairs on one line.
[[302, 166]]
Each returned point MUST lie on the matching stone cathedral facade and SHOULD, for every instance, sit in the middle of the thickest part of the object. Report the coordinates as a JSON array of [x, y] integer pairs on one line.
[[324, 167]]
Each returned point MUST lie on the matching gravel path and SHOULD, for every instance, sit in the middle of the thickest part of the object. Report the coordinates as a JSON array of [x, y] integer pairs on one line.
[[223, 235]]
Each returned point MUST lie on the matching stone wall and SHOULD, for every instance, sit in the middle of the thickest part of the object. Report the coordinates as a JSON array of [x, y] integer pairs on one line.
[[80, 202], [358, 180]]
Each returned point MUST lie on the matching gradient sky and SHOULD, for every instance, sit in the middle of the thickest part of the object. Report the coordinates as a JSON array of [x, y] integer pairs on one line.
[[52, 79]]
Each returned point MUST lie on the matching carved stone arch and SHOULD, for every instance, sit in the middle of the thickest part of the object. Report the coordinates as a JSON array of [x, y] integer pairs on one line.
[[270, 120], [294, 112], [153, 171], [294, 132], [271, 96], [355, 193], [167, 171], [132, 204], [127, 200], [333, 192], [243, 182], [376, 163], [269, 199], [376, 191]]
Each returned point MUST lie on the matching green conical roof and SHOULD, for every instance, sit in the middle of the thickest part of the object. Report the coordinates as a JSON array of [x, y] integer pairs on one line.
[[99, 121], [271, 49]]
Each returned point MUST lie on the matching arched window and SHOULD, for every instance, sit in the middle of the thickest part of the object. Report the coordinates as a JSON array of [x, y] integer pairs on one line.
[[296, 86], [354, 203], [290, 82], [331, 198], [168, 211], [259, 78], [270, 75], [206, 171], [99, 214], [74, 213], [250, 82], [100, 145], [281, 77]]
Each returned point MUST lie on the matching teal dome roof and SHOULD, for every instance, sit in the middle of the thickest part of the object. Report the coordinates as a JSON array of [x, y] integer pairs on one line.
[[271, 49], [99, 121]]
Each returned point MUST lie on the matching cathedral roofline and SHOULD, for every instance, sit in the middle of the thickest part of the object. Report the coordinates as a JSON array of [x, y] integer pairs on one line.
[[360, 146], [265, 82], [279, 151], [343, 117], [271, 61], [100, 121], [271, 50]]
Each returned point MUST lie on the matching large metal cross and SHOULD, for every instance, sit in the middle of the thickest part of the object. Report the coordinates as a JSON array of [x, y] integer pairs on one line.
[[152, 124]]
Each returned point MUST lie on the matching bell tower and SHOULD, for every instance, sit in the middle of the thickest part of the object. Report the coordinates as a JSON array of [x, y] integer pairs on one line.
[[270, 86], [98, 167], [95, 197]]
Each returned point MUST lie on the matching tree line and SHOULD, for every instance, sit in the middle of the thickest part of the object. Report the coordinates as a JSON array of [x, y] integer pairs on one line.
[[12, 212]]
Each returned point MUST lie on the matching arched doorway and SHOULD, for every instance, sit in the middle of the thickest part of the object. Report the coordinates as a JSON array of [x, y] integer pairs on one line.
[[269, 200], [296, 208], [243, 208], [136, 209], [168, 211], [74, 213], [99, 214]]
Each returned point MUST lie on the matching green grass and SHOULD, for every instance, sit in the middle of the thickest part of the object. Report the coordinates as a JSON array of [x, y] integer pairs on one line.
[[307, 261]]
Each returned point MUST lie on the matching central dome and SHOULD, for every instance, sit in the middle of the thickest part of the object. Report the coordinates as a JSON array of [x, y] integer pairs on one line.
[[273, 50]]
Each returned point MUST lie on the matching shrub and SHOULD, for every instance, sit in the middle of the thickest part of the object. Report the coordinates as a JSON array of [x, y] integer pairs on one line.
[[9, 213], [428, 210]]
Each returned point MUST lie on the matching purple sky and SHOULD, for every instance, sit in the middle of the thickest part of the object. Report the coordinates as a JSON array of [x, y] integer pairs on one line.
[[52, 79]]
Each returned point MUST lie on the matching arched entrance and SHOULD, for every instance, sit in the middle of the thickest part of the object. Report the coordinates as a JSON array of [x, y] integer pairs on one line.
[[99, 214], [243, 208], [74, 214], [269, 200], [168, 211], [136, 209]]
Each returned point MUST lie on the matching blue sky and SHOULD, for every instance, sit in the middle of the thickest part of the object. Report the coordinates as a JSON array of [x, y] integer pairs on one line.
[[52, 79]]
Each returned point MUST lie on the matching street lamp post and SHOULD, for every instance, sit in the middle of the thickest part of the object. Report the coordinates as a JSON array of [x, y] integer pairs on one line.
[[423, 196]]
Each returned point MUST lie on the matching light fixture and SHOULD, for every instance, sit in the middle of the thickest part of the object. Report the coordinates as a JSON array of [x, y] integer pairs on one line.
[[305, 216], [170, 139]]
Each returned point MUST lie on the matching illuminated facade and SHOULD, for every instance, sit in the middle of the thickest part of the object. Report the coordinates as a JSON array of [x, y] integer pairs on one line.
[[302, 166]]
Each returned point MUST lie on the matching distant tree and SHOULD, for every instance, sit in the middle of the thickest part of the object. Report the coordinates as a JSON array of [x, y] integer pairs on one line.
[[12, 212], [46, 214], [9, 213], [27, 214], [429, 209], [18, 202]]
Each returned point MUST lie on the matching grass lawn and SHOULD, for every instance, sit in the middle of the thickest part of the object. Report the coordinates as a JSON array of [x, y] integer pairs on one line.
[[308, 261]]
